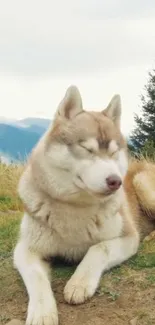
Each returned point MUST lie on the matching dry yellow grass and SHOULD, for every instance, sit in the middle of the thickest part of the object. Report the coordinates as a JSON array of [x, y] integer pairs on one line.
[[9, 178]]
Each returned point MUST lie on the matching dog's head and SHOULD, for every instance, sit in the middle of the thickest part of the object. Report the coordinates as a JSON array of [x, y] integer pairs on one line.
[[88, 146]]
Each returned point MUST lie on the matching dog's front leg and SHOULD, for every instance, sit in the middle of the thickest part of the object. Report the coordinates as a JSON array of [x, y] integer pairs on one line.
[[42, 308], [98, 259]]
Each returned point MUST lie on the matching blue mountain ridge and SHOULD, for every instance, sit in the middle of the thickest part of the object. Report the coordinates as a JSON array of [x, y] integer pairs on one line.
[[16, 142]]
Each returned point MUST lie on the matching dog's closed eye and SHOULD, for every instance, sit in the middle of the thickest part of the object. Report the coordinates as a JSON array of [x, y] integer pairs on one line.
[[90, 145], [90, 150], [114, 153]]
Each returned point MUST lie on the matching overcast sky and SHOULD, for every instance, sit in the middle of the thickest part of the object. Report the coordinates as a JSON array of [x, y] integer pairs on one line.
[[103, 47]]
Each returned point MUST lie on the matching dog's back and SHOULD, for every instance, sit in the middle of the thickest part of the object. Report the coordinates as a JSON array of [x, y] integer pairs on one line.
[[139, 185]]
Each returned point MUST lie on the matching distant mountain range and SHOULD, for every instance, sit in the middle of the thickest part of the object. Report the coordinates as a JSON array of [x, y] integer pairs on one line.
[[18, 137]]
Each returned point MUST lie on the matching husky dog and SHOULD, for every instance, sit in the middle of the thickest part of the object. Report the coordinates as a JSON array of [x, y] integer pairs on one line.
[[81, 204]]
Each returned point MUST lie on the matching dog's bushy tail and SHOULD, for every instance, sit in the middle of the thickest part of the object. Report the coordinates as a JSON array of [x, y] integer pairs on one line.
[[144, 186]]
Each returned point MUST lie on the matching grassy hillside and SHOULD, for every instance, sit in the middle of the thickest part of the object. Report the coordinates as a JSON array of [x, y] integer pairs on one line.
[[9, 177]]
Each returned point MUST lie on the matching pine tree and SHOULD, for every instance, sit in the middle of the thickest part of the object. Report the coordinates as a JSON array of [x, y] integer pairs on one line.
[[144, 132]]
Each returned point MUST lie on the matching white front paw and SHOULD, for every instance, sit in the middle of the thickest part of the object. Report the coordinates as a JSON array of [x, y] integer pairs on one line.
[[42, 313], [79, 289]]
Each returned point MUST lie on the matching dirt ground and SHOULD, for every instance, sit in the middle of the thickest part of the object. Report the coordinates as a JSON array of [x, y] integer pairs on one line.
[[121, 297]]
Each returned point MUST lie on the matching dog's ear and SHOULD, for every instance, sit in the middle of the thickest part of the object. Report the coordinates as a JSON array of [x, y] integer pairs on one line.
[[71, 104], [113, 110]]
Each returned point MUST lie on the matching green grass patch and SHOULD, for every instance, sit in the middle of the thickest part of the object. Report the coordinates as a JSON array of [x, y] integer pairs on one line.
[[145, 258], [5, 199], [10, 203], [142, 261], [112, 295], [63, 272], [9, 227]]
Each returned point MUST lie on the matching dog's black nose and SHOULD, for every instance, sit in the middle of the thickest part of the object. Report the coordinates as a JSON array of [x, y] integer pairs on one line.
[[113, 182]]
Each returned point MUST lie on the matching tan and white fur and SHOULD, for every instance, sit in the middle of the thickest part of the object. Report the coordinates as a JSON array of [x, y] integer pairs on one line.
[[77, 205]]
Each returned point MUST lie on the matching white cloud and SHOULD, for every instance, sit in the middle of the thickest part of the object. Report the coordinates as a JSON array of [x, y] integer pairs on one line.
[[102, 47], [41, 96]]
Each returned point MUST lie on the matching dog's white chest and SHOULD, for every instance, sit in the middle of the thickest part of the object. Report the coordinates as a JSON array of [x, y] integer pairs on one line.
[[72, 236], [100, 227]]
